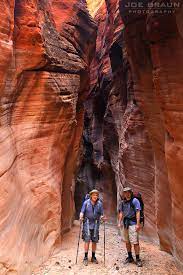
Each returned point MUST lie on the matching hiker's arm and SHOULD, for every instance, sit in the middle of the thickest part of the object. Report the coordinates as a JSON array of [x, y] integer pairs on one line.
[[81, 216], [120, 214], [103, 218], [138, 220], [120, 217], [137, 210]]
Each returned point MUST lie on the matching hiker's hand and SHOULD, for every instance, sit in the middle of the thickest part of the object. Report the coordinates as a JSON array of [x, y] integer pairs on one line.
[[103, 218], [81, 217], [119, 225], [137, 227]]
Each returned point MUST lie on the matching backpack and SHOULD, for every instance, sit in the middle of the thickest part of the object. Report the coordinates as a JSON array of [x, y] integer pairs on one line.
[[139, 197], [85, 198]]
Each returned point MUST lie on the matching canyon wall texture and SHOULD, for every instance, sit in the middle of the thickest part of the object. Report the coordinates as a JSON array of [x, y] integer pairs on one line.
[[129, 99], [46, 48], [158, 84], [133, 120], [117, 147]]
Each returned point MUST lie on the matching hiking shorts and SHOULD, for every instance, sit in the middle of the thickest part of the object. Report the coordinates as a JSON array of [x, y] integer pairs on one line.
[[131, 235], [90, 237]]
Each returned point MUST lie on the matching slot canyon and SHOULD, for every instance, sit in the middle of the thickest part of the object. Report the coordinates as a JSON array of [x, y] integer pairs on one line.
[[91, 96]]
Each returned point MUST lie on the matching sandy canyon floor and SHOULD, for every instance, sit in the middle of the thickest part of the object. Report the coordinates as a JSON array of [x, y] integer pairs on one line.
[[155, 262]]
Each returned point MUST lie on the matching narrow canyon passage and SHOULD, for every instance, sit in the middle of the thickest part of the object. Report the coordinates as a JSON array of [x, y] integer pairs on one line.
[[91, 96]]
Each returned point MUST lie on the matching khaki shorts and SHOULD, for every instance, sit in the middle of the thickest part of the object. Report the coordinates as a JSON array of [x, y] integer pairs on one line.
[[131, 235]]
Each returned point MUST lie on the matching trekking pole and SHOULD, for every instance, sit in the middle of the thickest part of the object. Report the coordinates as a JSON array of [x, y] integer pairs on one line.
[[78, 242], [104, 243]]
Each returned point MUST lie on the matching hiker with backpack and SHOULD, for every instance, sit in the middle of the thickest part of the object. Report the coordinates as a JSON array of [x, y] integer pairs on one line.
[[130, 211], [91, 214]]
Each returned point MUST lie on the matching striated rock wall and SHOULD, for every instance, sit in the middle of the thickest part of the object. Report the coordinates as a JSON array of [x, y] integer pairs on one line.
[[129, 98], [46, 48], [154, 43]]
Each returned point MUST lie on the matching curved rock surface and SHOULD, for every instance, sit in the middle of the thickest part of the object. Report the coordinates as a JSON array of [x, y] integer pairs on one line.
[[46, 48]]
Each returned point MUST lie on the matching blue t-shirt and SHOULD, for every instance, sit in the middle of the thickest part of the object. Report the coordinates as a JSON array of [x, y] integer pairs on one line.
[[92, 212], [129, 211]]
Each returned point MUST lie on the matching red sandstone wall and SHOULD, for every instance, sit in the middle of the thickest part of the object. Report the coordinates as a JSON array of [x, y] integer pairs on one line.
[[115, 137], [133, 121], [45, 50], [154, 44]]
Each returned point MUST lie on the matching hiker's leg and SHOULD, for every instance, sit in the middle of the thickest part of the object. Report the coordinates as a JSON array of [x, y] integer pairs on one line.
[[94, 243], [94, 247], [137, 249], [137, 252], [86, 246], [128, 247], [127, 240], [86, 238], [129, 259], [133, 235], [94, 239], [129, 250], [134, 238]]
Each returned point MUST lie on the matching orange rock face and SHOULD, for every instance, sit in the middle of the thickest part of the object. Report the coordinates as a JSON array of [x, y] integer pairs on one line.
[[46, 49]]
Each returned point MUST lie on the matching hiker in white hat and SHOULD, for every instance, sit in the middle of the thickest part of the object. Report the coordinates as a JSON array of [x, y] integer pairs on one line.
[[91, 213]]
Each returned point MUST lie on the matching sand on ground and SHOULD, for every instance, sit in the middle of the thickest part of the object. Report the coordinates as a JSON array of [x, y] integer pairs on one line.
[[155, 262]]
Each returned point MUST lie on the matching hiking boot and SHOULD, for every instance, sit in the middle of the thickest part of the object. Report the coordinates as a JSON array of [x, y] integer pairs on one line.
[[85, 261], [94, 260], [129, 260], [139, 263]]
